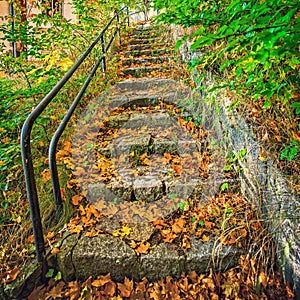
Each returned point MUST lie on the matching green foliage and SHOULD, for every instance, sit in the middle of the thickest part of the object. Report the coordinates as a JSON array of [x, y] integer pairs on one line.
[[253, 45], [290, 151]]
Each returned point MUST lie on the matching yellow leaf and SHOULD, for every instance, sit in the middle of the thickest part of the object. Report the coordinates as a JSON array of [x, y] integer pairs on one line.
[[263, 279], [65, 63], [124, 230], [205, 238]]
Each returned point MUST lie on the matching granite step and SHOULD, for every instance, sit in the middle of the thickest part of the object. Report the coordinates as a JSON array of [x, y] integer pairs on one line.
[[149, 52], [142, 71], [146, 40], [147, 46], [146, 60], [81, 257]]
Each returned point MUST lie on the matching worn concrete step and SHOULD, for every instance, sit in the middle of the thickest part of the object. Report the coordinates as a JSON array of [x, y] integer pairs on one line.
[[150, 52], [147, 46], [81, 257], [147, 34], [146, 92], [143, 41], [141, 71], [146, 60], [146, 28]]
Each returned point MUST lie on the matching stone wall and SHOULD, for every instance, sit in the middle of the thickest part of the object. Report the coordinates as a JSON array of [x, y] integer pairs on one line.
[[261, 182]]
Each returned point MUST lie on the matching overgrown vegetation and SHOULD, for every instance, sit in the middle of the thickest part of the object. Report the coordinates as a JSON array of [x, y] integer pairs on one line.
[[252, 50]]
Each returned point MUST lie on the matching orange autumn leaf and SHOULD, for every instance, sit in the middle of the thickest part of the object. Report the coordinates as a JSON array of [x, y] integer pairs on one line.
[[46, 175], [143, 248], [77, 229], [55, 250], [168, 157], [74, 290], [126, 288], [101, 281], [177, 169], [168, 236], [11, 275], [50, 235], [76, 199], [159, 224], [30, 239], [178, 225], [110, 288]]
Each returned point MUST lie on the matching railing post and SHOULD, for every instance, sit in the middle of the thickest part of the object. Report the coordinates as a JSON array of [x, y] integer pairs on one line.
[[128, 22], [103, 53], [118, 27], [32, 194]]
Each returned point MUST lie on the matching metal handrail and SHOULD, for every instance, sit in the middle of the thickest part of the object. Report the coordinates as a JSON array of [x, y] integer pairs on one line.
[[28, 125]]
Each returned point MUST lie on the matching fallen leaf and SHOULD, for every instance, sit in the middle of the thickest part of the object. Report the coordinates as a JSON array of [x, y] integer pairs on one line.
[[143, 248], [126, 288], [178, 225], [205, 238], [11, 275], [55, 250], [110, 288], [76, 199], [46, 175], [101, 281], [74, 290]]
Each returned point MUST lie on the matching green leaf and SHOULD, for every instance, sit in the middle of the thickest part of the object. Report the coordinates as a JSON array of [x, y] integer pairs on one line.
[[58, 276], [267, 104], [201, 223], [50, 273], [224, 186], [293, 151], [228, 167], [284, 152]]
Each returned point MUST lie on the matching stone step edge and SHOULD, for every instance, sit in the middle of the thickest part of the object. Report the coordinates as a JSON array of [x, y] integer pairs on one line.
[[144, 70], [145, 60], [145, 52], [81, 257]]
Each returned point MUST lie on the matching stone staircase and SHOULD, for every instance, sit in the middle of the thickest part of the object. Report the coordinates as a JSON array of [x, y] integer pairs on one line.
[[150, 163], [148, 51]]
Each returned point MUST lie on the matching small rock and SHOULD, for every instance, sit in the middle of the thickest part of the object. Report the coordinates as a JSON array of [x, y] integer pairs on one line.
[[141, 231], [164, 145], [118, 120], [148, 188]]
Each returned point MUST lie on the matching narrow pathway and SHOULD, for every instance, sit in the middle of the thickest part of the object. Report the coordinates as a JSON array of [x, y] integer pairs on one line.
[[148, 180]]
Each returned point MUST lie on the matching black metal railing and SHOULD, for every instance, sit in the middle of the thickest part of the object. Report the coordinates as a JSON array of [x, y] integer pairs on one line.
[[28, 125]]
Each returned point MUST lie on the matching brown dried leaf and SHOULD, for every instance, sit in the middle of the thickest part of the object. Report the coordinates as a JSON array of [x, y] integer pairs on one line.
[[74, 290], [101, 281], [110, 288], [126, 288], [11, 275]]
